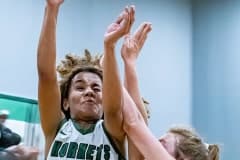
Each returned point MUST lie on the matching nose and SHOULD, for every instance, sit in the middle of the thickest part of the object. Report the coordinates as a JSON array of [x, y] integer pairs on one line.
[[161, 140], [89, 92]]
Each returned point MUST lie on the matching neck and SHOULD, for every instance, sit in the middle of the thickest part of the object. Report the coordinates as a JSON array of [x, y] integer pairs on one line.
[[85, 123]]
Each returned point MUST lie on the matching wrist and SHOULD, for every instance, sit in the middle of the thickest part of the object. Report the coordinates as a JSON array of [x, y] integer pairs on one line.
[[108, 45], [52, 8], [131, 63]]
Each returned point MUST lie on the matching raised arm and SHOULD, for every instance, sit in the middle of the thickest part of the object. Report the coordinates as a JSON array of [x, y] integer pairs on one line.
[[134, 113], [112, 87], [48, 89], [131, 48]]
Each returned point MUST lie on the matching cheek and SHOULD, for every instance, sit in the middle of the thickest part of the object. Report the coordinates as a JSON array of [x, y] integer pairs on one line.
[[99, 98], [170, 149], [75, 98]]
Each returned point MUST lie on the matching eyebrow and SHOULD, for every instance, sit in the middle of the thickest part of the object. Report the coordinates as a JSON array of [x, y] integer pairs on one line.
[[79, 81], [95, 84]]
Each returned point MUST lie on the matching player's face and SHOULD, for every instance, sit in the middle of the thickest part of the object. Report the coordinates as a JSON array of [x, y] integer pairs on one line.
[[169, 141], [85, 96]]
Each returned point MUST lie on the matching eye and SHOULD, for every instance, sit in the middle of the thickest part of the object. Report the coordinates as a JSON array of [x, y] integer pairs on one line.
[[96, 89], [179, 155], [80, 88]]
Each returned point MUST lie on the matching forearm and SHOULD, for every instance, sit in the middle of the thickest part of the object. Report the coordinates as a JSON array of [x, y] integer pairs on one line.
[[112, 87], [131, 84], [46, 58], [139, 133], [146, 143]]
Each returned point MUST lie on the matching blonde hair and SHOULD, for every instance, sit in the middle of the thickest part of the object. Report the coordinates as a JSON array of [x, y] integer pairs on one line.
[[192, 146], [72, 65], [146, 107]]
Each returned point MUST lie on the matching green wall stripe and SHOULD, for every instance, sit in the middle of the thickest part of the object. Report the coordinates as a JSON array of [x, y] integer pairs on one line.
[[21, 99], [21, 109]]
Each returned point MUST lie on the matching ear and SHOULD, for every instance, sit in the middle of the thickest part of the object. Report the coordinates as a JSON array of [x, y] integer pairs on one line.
[[65, 104]]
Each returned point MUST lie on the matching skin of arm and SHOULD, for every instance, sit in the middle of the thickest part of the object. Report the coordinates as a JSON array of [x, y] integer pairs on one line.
[[112, 87], [135, 116], [48, 89], [140, 134], [130, 50]]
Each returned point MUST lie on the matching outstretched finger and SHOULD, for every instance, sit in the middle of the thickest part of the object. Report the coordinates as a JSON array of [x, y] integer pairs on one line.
[[127, 40], [143, 36], [141, 42], [146, 29], [139, 31], [132, 15], [120, 17], [128, 26], [125, 23]]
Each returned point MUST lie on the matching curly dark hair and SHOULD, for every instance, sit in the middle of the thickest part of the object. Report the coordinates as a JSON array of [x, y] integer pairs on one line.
[[72, 65]]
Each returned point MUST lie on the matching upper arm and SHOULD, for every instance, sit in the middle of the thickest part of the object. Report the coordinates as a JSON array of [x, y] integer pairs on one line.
[[133, 153], [49, 105]]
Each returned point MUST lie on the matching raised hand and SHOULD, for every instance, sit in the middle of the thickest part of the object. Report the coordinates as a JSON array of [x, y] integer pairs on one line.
[[133, 43], [120, 27]]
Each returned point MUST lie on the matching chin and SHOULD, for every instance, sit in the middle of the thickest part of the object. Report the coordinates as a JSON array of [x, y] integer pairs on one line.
[[91, 111], [93, 114]]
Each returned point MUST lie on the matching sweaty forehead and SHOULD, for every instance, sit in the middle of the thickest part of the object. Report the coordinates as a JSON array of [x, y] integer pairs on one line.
[[87, 77]]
